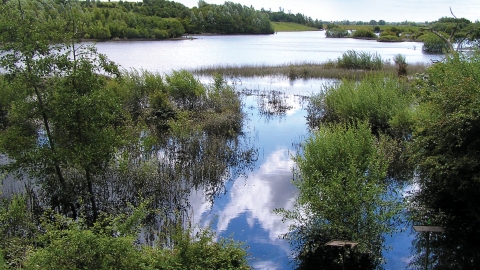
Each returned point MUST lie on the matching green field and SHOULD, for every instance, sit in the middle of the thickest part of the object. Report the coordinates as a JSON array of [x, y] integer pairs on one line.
[[291, 27]]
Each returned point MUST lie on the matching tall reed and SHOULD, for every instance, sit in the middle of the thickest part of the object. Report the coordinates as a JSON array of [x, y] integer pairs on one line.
[[360, 60]]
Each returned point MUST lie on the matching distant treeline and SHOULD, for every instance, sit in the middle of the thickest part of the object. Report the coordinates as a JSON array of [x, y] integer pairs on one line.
[[435, 36], [161, 19], [281, 16]]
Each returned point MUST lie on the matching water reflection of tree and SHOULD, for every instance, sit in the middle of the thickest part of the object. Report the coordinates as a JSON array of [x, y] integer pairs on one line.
[[273, 104], [170, 173]]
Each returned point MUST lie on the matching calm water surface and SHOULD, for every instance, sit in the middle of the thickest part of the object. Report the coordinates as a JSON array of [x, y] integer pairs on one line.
[[245, 211], [281, 48]]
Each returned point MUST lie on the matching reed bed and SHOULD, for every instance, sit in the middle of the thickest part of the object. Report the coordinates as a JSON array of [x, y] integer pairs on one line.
[[306, 70]]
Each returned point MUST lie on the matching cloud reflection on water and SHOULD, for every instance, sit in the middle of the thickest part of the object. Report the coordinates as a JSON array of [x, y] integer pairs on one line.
[[254, 200], [268, 188]]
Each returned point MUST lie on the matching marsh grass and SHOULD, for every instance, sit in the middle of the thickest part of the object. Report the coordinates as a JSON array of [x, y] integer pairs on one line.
[[304, 70], [360, 61]]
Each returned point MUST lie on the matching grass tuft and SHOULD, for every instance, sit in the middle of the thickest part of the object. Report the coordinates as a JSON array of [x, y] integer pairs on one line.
[[360, 60]]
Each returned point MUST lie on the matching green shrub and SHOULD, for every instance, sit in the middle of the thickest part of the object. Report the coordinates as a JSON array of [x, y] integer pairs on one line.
[[223, 109], [401, 63], [376, 99], [196, 252], [445, 153], [363, 60], [111, 244], [82, 249], [388, 36], [364, 33], [17, 230], [336, 32], [184, 88], [341, 183]]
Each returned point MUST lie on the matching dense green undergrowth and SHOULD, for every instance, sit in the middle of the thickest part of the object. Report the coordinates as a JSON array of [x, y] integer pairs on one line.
[[57, 242]]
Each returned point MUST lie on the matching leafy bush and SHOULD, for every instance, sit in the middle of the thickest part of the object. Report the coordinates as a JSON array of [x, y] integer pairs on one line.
[[376, 99], [17, 230], [364, 33], [446, 157], [342, 185], [224, 114], [389, 39], [83, 249], [196, 252], [363, 60], [184, 89], [111, 244], [389, 36], [336, 32], [401, 63]]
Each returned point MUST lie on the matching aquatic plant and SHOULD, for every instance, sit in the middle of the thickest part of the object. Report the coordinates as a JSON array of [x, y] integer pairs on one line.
[[360, 60]]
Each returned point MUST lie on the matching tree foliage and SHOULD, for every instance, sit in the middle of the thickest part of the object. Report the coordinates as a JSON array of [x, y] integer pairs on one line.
[[281, 16], [229, 18], [153, 19], [446, 151], [66, 121], [434, 44]]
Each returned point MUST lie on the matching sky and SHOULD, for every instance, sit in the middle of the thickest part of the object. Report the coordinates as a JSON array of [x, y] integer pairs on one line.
[[365, 10]]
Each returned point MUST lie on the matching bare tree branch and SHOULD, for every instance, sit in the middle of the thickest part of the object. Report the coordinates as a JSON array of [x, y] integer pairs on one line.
[[448, 41]]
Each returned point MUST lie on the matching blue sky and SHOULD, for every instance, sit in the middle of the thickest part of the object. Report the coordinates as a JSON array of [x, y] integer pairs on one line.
[[366, 10]]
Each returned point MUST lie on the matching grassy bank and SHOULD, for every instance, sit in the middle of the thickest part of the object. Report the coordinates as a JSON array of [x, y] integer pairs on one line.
[[291, 27], [303, 70]]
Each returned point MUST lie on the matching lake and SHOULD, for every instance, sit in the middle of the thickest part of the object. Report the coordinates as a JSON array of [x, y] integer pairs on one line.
[[245, 210]]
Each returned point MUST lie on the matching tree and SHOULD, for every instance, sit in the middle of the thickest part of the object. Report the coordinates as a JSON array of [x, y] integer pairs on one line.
[[432, 43], [65, 122], [454, 27], [28, 58], [446, 150], [343, 195]]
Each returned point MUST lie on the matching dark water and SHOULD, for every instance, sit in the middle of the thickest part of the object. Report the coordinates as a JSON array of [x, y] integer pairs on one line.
[[245, 210]]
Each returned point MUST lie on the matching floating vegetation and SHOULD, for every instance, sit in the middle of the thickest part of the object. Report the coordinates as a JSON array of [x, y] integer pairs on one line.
[[272, 103]]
